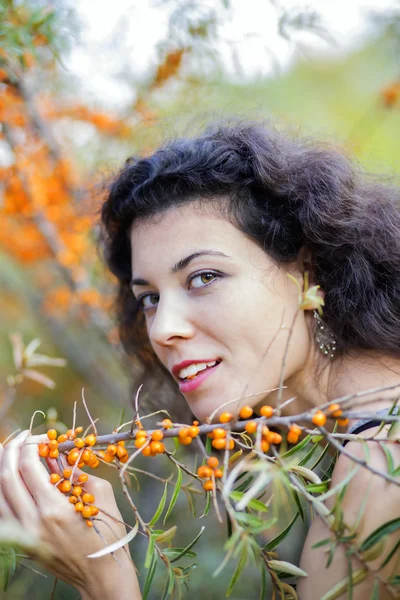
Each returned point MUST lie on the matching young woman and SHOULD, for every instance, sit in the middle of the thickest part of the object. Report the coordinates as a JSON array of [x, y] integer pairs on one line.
[[202, 236]]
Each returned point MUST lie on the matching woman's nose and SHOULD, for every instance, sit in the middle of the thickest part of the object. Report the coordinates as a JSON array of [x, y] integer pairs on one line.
[[171, 321]]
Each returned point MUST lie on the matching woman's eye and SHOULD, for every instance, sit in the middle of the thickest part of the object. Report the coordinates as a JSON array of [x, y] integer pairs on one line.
[[203, 279], [148, 301]]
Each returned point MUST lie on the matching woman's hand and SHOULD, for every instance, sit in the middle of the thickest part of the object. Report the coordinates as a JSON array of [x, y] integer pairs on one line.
[[28, 497]]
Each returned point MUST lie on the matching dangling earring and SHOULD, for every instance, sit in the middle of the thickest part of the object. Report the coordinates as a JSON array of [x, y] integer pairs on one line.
[[324, 337]]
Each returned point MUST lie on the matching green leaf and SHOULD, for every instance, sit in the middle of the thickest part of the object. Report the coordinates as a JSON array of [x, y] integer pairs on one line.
[[390, 555], [379, 533], [160, 507], [281, 566], [118, 544], [298, 447], [150, 552], [174, 552], [189, 546], [389, 458], [175, 493], [207, 506], [166, 536], [321, 543], [150, 576], [263, 590], [239, 568], [298, 504], [341, 587], [375, 590], [254, 504], [318, 488], [278, 539]]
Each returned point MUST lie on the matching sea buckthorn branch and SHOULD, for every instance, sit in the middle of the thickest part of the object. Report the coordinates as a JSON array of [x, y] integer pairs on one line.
[[330, 518]]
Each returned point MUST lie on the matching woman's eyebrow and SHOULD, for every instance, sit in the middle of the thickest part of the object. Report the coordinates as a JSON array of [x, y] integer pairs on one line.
[[182, 264]]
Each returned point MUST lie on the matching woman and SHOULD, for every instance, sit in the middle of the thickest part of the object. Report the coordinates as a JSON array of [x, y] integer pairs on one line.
[[202, 236]]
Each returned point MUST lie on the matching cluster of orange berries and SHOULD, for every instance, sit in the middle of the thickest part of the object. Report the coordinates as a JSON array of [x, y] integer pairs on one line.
[[50, 449], [76, 494], [267, 437], [152, 442], [113, 451], [207, 471]]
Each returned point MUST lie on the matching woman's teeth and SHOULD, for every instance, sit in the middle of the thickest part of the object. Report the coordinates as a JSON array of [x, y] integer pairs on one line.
[[191, 371]]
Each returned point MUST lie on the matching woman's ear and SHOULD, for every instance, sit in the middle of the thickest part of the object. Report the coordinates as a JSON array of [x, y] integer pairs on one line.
[[306, 263]]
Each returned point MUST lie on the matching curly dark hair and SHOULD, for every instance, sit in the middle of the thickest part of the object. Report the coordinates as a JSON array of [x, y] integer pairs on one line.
[[286, 194]]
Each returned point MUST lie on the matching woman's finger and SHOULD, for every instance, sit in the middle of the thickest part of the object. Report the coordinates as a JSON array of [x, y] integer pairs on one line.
[[13, 488], [36, 478], [5, 510]]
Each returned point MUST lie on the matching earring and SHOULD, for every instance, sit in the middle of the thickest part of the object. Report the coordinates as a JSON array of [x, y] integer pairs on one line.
[[324, 337]]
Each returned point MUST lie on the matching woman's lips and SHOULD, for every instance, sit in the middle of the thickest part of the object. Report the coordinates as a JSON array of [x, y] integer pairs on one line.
[[189, 385]]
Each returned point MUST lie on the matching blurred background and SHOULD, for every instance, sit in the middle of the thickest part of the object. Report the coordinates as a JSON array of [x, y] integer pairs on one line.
[[86, 84]]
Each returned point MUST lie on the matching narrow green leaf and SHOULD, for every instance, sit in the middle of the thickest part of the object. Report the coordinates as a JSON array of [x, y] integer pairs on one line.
[[174, 552], [166, 536], [175, 494], [321, 543], [389, 458], [318, 488], [118, 544], [278, 539], [189, 546], [207, 506], [390, 555], [160, 507], [263, 589], [254, 504], [150, 553], [176, 443], [281, 566], [379, 533], [238, 571], [245, 484], [264, 525], [298, 447], [298, 504], [375, 591], [320, 457], [309, 454], [150, 576]]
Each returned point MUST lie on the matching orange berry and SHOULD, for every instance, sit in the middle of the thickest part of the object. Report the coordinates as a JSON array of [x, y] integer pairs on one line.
[[157, 447], [89, 523], [95, 511], [54, 478], [219, 443], [87, 498], [343, 422], [67, 473], [204, 472], [83, 478], [264, 446], [121, 443], [183, 432], [122, 451], [231, 444], [185, 441], [274, 438], [90, 439], [166, 423], [77, 490], [138, 444], [218, 473], [251, 427], [265, 431], [43, 450], [292, 438], [245, 412], [125, 458], [62, 438], [213, 462], [319, 418], [266, 411], [73, 499], [225, 417], [194, 431], [210, 434], [86, 512], [335, 410], [141, 433], [195, 423], [65, 486], [146, 451], [295, 430], [81, 465], [70, 433], [79, 506], [112, 449], [52, 434], [79, 442], [94, 463], [73, 456], [108, 458], [78, 430], [219, 432], [53, 445], [86, 455], [208, 486], [54, 453], [157, 435]]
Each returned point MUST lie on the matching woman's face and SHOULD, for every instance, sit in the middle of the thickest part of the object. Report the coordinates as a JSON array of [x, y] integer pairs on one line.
[[211, 295]]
